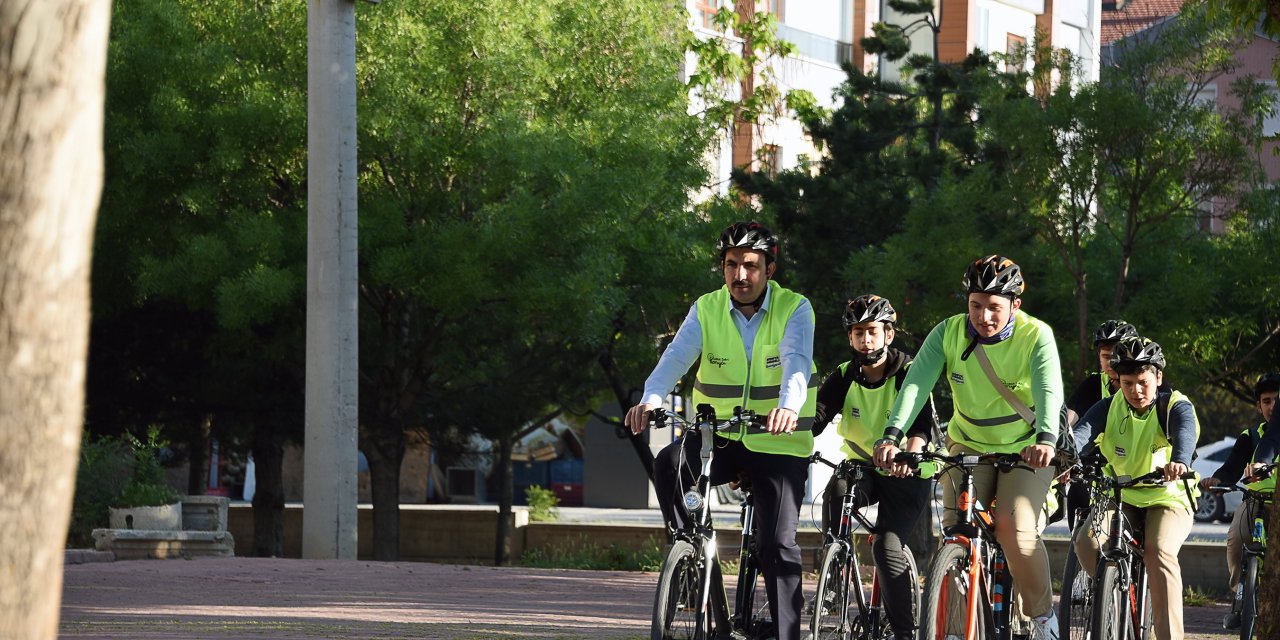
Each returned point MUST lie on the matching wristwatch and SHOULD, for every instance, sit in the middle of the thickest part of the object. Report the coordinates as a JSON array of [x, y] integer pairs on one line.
[[884, 441]]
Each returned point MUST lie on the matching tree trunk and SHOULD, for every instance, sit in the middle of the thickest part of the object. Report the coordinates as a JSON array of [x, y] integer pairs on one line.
[[1082, 325], [268, 494], [197, 454], [1269, 585], [502, 547], [52, 65], [385, 455]]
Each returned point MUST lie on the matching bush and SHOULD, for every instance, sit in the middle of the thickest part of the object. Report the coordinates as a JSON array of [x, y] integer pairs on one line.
[[148, 486], [103, 472], [542, 503]]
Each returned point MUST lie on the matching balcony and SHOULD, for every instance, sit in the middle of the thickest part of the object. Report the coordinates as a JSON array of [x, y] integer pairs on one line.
[[816, 47]]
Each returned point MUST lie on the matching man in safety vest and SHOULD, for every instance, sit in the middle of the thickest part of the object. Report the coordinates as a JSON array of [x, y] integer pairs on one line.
[[1264, 397], [1128, 433], [753, 340], [1012, 408]]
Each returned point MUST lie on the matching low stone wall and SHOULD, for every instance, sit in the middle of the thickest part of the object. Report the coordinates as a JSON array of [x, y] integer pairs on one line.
[[465, 534]]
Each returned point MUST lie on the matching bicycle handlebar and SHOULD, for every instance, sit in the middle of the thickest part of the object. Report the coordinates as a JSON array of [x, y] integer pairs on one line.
[[660, 418], [1002, 461]]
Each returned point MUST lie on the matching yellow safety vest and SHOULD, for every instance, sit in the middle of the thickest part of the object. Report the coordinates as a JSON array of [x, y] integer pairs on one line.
[[1269, 483], [727, 380], [1136, 445], [983, 420], [864, 415]]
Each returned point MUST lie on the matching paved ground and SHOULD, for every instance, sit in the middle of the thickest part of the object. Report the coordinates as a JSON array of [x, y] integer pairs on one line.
[[222, 598]]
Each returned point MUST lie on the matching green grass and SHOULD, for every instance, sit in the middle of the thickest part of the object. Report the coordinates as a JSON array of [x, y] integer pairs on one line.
[[579, 553], [1193, 597]]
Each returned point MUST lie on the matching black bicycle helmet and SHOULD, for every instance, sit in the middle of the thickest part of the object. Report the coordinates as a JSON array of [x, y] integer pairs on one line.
[[868, 308], [1133, 353], [1113, 331], [994, 274], [749, 235], [1268, 383]]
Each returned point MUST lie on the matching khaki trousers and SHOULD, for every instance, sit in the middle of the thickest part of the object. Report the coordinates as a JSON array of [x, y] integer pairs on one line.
[[1166, 529], [1237, 534], [1018, 497]]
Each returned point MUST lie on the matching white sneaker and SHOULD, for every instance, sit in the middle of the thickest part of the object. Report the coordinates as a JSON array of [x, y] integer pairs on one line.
[[1046, 627]]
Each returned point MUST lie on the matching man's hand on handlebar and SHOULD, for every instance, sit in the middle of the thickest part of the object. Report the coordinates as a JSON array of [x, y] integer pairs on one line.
[[780, 421], [1038, 456], [915, 444], [638, 417], [1174, 471], [1206, 483]]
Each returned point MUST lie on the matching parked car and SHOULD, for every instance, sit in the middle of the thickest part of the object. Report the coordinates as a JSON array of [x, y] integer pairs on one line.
[[1211, 506]]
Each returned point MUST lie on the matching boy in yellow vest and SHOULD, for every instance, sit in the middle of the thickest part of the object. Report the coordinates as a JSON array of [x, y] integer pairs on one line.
[[753, 340], [1023, 357], [1264, 397], [1126, 431], [860, 392]]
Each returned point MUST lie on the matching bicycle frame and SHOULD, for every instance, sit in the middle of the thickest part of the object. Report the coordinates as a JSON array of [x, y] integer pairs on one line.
[[1124, 550], [869, 610], [712, 599]]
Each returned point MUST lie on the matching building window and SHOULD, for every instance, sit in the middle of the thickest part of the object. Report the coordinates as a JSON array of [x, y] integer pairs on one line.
[[771, 158], [705, 13], [1271, 121], [774, 7], [1015, 47]]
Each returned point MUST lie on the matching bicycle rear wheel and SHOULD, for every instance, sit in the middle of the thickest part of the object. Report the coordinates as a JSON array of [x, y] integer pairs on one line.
[[1249, 600], [676, 607], [831, 603], [1111, 606], [1076, 598], [946, 596]]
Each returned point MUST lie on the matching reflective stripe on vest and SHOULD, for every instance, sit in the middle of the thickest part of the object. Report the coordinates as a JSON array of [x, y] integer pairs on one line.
[[727, 380], [863, 416], [983, 420], [1135, 446]]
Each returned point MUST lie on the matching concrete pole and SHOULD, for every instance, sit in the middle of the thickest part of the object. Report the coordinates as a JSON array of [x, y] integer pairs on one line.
[[329, 486]]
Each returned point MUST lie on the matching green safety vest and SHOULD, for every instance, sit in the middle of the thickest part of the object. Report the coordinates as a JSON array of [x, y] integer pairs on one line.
[[983, 421], [1269, 483], [864, 415], [1135, 446], [1106, 385], [727, 380]]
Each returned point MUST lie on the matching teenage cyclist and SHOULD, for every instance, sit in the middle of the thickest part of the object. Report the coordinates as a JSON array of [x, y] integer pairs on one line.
[[1126, 431], [861, 391], [1232, 469], [1095, 386], [754, 341], [1024, 357]]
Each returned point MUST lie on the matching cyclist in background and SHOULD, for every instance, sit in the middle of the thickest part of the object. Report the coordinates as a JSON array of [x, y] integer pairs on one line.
[[754, 341], [1102, 384], [1126, 431], [1023, 358], [861, 391]]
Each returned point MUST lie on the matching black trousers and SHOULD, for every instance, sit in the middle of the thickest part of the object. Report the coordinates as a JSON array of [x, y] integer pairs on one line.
[[777, 482], [902, 502]]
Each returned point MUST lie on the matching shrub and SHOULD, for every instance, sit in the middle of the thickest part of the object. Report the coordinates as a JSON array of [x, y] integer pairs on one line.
[[104, 469], [542, 503], [578, 553], [147, 486]]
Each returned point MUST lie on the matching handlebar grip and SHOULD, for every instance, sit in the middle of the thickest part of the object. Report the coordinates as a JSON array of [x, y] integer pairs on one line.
[[657, 418]]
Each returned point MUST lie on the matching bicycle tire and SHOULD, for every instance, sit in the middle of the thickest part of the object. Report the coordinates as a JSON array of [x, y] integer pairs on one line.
[[1075, 600], [830, 619], [946, 591], [1110, 603], [1249, 596], [676, 604], [915, 593]]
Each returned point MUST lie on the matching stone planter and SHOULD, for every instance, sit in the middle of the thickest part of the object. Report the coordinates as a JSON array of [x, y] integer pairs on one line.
[[204, 513], [163, 518]]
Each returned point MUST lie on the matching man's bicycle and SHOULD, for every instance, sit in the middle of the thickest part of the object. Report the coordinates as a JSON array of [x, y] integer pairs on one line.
[[691, 602], [840, 581], [1121, 599], [968, 590], [1253, 550]]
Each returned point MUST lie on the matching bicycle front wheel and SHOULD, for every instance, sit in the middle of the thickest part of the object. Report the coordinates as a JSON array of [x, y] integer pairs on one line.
[[947, 589], [1111, 606], [1249, 596], [677, 608], [1077, 596], [831, 603]]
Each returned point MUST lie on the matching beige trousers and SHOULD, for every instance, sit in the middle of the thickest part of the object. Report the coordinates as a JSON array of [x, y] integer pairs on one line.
[[1166, 529], [1018, 497], [1237, 534]]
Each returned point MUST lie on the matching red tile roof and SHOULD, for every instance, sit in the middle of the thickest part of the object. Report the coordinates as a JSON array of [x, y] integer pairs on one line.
[[1135, 16]]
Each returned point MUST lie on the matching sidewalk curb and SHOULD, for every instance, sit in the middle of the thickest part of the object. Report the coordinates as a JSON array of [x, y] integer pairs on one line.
[[82, 556]]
